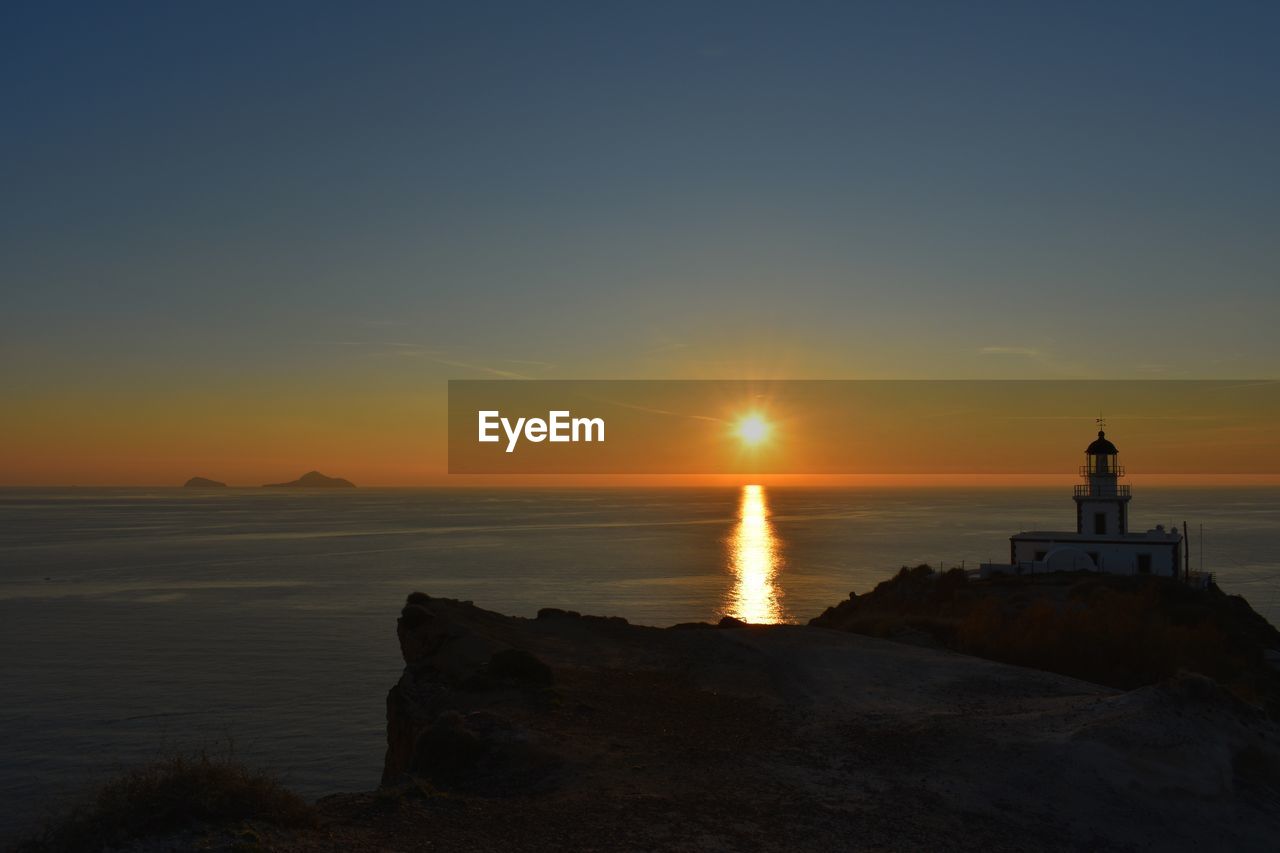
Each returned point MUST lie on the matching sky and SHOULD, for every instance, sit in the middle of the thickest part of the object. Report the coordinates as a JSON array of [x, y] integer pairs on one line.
[[247, 240]]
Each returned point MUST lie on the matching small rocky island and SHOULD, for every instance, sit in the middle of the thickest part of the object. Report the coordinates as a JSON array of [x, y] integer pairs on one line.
[[313, 480], [203, 483]]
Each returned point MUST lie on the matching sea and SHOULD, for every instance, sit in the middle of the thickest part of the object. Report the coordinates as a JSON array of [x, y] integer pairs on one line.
[[136, 623]]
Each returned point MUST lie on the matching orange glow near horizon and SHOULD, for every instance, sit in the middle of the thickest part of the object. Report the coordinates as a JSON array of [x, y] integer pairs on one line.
[[754, 559], [262, 432]]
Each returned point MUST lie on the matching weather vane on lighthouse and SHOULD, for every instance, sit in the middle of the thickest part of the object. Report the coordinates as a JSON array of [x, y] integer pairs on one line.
[[1102, 424]]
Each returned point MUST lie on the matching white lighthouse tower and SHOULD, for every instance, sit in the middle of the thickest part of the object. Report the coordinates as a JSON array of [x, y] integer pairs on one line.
[[1102, 504], [1101, 541]]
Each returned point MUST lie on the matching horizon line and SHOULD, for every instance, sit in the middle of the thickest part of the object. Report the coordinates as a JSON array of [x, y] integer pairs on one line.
[[467, 481]]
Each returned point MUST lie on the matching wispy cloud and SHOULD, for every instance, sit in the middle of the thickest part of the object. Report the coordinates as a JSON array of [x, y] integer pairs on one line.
[[1258, 383], [656, 411], [1024, 352], [529, 362], [1021, 357], [392, 344], [480, 368], [1110, 417], [408, 349]]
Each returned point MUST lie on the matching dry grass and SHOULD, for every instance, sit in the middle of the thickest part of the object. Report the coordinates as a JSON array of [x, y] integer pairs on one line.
[[168, 795], [1123, 639], [1124, 632]]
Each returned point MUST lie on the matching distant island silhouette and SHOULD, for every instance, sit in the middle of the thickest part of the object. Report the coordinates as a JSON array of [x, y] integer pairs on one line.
[[203, 483], [313, 480]]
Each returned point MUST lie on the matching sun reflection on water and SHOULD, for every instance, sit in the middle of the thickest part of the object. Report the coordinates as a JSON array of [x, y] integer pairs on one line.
[[754, 559]]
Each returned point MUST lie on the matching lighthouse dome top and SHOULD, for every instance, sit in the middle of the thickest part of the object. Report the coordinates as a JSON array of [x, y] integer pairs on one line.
[[1101, 446]]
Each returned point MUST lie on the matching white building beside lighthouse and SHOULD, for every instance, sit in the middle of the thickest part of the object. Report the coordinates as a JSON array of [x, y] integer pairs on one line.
[[1102, 541]]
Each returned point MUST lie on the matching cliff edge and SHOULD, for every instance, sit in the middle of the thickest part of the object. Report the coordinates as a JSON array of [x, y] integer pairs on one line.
[[571, 731]]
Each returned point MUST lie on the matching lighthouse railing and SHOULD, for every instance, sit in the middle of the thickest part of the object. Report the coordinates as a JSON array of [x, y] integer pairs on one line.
[[1101, 490], [1097, 470]]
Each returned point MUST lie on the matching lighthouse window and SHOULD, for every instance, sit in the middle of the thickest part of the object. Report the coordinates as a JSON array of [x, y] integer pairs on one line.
[[1144, 564], [1099, 522]]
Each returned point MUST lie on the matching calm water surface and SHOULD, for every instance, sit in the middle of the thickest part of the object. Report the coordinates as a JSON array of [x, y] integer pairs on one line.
[[139, 622]]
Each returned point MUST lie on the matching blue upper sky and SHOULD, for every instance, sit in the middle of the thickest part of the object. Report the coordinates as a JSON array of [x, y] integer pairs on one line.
[[207, 195]]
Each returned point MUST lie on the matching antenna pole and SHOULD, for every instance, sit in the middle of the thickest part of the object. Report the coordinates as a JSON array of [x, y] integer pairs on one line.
[[1186, 554]]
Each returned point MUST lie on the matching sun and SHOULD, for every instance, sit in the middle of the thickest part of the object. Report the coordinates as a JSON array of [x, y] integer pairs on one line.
[[753, 429]]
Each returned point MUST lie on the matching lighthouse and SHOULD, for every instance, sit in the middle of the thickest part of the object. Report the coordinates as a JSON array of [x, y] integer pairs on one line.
[[1102, 541], [1102, 504]]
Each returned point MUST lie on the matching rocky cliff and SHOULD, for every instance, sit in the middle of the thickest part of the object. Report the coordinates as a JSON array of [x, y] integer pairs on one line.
[[1122, 631], [569, 732]]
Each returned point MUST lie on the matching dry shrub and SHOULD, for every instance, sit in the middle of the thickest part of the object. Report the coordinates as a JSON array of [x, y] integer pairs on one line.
[[1121, 631], [168, 795], [1122, 639]]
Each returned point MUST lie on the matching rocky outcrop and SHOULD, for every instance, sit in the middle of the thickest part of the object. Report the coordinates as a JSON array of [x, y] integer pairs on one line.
[[1122, 631], [445, 716], [203, 483], [570, 732], [573, 732], [313, 480]]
